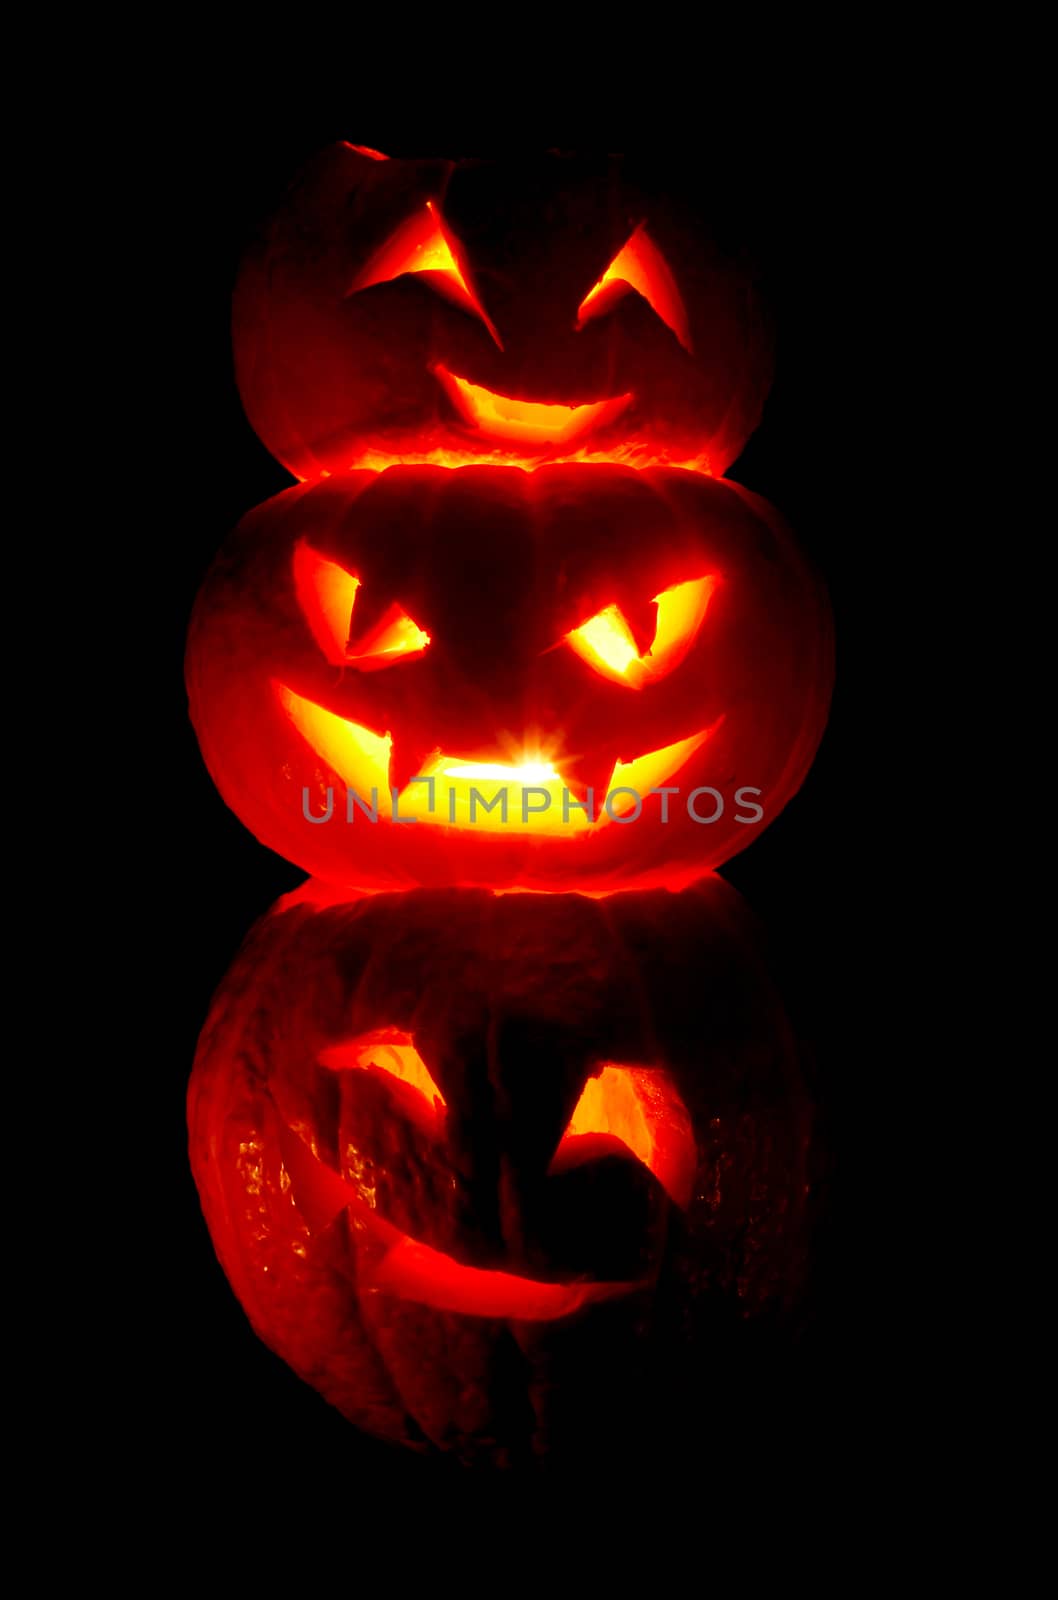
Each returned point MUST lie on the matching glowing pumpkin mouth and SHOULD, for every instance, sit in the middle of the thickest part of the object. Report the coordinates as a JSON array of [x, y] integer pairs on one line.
[[529, 422], [417, 1272], [527, 796]]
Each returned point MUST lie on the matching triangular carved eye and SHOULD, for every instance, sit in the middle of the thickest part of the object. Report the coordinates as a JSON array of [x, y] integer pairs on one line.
[[422, 244], [326, 593], [393, 635], [638, 1108], [639, 266], [605, 641], [391, 1053]]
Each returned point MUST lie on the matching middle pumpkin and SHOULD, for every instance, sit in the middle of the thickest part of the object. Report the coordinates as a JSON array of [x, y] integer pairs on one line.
[[578, 678]]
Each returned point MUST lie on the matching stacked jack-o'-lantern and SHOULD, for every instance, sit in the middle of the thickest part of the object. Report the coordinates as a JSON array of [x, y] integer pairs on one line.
[[470, 1157]]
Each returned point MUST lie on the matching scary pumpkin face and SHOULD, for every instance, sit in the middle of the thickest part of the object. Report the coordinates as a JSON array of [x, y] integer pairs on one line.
[[581, 677], [528, 311], [505, 1173]]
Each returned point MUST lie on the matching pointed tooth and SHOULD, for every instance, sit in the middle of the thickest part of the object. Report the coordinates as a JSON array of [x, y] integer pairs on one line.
[[642, 619], [369, 613], [594, 772], [409, 759]]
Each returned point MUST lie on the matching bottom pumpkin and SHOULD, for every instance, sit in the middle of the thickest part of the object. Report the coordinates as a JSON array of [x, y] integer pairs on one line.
[[513, 1176]]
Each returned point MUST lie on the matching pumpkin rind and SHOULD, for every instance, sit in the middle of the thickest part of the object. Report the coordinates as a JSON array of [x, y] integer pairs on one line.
[[335, 377], [497, 566], [513, 1002]]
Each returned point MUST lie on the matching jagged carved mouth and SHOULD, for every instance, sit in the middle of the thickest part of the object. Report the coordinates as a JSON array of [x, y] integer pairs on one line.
[[527, 796], [419, 1273], [526, 422], [624, 1111]]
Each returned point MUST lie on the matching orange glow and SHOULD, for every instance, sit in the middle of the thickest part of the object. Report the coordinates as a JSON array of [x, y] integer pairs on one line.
[[641, 1109], [321, 1194], [605, 641], [385, 1050], [526, 421], [365, 150], [652, 770], [325, 592], [639, 266], [489, 771], [428, 1277], [461, 794], [464, 791], [394, 635], [418, 1273], [358, 756], [421, 245], [634, 453]]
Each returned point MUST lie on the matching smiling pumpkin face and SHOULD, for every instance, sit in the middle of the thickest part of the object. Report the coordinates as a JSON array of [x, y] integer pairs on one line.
[[581, 677], [534, 310], [493, 1172]]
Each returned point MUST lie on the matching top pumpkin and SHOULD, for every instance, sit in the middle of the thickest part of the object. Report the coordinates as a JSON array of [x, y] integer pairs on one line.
[[535, 310]]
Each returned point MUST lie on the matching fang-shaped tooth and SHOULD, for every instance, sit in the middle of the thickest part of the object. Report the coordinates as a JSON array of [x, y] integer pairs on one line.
[[410, 759]]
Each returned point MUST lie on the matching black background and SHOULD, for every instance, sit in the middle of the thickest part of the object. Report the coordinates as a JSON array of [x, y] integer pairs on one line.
[[795, 180]]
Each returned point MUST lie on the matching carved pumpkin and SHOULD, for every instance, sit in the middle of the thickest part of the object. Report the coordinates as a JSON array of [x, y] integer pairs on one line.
[[580, 677], [505, 1174], [532, 310]]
